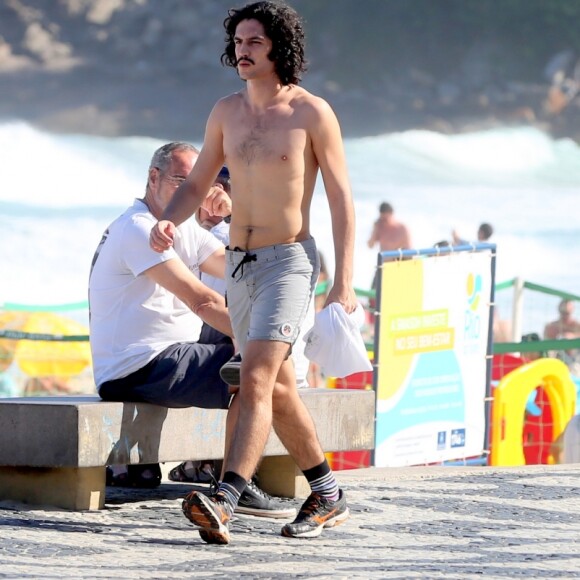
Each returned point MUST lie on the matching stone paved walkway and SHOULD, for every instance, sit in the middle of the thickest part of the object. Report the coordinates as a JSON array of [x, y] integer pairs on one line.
[[436, 522]]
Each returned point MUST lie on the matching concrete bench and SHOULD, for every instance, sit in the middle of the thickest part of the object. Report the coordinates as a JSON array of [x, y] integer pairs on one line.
[[53, 450]]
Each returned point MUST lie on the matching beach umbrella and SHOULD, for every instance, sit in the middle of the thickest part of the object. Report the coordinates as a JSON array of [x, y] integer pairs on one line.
[[8, 320], [40, 344]]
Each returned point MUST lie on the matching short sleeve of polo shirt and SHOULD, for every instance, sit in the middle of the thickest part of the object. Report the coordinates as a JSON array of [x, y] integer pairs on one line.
[[136, 251]]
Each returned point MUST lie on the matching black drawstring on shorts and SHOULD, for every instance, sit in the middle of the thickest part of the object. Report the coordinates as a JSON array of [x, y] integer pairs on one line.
[[245, 260]]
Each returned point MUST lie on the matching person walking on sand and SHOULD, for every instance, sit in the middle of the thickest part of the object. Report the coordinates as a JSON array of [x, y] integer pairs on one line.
[[274, 136]]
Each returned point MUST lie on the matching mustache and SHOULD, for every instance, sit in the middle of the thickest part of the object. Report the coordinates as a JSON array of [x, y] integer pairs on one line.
[[244, 59]]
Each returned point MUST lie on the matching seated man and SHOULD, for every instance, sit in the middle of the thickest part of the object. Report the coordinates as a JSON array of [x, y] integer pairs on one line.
[[147, 309]]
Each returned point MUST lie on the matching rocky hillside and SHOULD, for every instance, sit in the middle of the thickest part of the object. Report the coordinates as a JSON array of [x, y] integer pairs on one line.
[[151, 67]]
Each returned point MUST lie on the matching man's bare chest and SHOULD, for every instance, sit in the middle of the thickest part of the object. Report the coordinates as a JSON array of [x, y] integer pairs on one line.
[[264, 139]]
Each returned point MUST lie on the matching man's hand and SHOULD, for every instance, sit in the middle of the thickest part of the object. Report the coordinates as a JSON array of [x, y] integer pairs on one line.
[[162, 235], [343, 295], [217, 202]]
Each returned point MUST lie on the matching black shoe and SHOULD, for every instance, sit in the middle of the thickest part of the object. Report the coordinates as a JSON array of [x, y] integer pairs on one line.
[[145, 476], [315, 514], [230, 372], [256, 502], [210, 514]]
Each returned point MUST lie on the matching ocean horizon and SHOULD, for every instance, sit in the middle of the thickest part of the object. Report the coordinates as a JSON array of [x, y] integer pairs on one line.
[[60, 192]]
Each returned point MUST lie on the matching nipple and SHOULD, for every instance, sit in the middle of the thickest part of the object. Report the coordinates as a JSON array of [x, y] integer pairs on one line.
[[284, 158]]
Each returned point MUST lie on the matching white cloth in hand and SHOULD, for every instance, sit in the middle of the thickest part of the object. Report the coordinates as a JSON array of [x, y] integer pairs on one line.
[[335, 342]]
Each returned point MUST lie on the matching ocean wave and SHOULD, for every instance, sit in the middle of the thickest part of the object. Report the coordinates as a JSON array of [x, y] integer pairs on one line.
[[59, 193]]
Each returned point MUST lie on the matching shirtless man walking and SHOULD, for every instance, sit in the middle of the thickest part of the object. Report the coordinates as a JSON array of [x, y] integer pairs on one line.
[[274, 136]]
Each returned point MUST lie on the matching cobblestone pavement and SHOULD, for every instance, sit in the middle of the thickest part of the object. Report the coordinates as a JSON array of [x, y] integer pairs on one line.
[[435, 522]]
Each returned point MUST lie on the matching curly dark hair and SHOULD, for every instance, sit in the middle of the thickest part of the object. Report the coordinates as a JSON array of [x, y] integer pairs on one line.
[[282, 26]]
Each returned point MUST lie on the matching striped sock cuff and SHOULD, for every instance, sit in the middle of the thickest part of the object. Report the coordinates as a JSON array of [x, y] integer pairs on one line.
[[326, 486], [322, 481], [230, 494], [232, 488]]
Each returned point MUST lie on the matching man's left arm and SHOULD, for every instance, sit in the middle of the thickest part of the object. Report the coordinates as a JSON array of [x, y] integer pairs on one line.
[[329, 151], [210, 306]]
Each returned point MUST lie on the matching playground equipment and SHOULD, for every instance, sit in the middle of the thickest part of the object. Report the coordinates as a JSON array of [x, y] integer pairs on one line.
[[509, 403]]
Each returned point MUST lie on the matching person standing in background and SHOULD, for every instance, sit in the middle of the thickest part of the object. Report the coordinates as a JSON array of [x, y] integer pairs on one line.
[[566, 326], [389, 233], [484, 232]]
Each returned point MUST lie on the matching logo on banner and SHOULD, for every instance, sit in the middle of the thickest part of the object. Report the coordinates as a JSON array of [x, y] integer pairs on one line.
[[457, 438], [472, 325], [473, 291], [441, 440]]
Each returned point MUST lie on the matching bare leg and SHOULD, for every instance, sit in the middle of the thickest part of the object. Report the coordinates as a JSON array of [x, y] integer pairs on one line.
[[261, 364], [293, 423], [231, 422]]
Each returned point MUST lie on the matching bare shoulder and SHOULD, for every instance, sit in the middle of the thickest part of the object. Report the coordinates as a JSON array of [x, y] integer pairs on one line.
[[312, 105], [227, 104], [318, 118]]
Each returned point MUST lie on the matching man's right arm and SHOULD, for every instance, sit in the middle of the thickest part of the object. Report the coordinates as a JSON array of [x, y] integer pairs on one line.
[[191, 194], [210, 306]]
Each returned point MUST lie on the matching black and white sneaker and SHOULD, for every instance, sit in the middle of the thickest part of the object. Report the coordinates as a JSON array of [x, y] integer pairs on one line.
[[230, 372], [256, 502], [316, 514]]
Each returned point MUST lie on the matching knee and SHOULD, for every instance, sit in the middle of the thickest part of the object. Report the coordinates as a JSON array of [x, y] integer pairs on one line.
[[282, 397], [255, 388]]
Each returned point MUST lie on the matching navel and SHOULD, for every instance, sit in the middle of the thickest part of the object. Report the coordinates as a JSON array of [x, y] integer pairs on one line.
[[249, 231]]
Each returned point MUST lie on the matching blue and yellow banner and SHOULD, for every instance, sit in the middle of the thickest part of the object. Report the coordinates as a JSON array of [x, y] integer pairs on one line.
[[432, 344]]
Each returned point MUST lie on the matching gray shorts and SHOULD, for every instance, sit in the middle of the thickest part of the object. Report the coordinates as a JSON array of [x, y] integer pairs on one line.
[[183, 375], [269, 289]]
